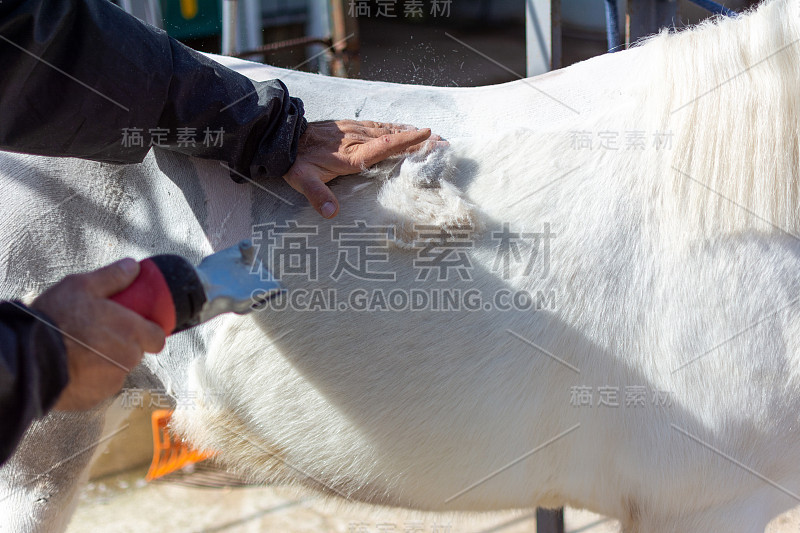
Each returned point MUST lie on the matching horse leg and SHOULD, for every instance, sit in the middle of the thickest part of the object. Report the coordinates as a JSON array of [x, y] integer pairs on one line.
[[750, 516], [40, 483]]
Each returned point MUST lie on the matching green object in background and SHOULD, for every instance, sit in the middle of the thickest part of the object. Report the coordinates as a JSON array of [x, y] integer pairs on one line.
[[188, 19]]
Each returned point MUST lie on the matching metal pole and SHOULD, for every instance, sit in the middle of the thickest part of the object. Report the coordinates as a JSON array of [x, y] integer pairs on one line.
[[550, 520], [148, 11], [250, 25], [612, 26], [538, 37], [542, 36], [229, 19], [319, 26], [344, 33], [646, 17]]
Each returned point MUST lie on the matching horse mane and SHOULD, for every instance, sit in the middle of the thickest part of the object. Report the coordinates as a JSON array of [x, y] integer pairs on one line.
[[729, 92], [726, 92]]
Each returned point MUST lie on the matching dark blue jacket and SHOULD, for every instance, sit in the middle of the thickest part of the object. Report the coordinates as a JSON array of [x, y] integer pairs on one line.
[[82, 78]]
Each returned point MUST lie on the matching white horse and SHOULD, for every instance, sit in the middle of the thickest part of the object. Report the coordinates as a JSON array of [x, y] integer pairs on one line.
[[588, 299]]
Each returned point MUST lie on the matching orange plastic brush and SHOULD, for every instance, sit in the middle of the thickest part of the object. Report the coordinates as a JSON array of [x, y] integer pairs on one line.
[[169, 454]]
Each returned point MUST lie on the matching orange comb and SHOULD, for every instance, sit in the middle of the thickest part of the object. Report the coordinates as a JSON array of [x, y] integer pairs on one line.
[[169, 454]]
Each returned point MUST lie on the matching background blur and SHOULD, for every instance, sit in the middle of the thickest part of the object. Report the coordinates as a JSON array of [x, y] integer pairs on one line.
[[405, 41]]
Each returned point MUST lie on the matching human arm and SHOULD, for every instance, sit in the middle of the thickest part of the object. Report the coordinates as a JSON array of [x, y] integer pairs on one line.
[[80, 75], [85, 79], [70, 349]]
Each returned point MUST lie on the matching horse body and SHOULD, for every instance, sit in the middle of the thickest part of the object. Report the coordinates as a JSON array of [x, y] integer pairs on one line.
[[648, 370]]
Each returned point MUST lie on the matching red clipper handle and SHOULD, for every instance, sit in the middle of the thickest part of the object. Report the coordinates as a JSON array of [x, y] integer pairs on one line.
[[149, 296]]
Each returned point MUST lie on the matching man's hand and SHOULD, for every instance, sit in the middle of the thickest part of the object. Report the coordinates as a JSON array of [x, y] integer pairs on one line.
[[104, 340], [336, 148]]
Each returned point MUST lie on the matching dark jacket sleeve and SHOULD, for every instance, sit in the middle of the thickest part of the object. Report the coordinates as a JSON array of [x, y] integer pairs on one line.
[[33, 371], [82, 78]]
